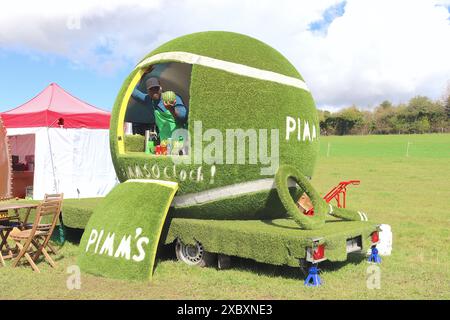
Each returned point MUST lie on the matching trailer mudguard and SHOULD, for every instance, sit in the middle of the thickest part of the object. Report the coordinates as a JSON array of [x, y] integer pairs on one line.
[[121, 238]]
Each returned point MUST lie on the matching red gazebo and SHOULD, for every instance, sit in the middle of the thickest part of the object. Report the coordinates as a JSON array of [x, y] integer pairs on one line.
[[59, 144], [55, 107]]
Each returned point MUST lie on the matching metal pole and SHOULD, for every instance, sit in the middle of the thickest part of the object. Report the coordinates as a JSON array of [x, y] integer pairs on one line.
[[55, 183]]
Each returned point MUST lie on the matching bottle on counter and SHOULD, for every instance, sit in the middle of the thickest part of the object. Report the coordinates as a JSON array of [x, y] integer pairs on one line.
[[150, 147], [147, 140], [164, 147], [181, 150], [169, 146]]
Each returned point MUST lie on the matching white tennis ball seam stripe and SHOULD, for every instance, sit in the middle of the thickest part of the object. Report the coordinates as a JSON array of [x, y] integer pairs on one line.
[[360, 216], [240, 69], [221, 193], [363, 216]]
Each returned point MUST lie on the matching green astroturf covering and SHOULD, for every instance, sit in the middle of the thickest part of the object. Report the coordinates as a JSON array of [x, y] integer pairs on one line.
[[278, 241], [320, 207], [223, 100], [122, 235], [267, 104], [134, 143], [234, 47], [255, 205]]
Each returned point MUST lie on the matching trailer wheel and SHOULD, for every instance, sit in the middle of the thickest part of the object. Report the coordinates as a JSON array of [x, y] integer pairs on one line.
[[193, 255]]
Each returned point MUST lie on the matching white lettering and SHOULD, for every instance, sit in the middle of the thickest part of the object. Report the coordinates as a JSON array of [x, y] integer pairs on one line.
[[290, 126], [108, 245], [124, 249], [306, 132], [92, 238]]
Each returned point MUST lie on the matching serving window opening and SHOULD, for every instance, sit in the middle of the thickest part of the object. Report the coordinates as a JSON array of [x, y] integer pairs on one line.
[[22, 151], [151, 124]]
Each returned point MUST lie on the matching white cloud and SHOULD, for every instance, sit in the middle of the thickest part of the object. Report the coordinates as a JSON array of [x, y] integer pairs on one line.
[[378, 49], [130, 29]]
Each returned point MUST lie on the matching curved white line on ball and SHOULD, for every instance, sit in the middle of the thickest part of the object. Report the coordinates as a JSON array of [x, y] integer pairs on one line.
[[360, 215], [365, 216], [220, 193], [231, 67], [331, 209]]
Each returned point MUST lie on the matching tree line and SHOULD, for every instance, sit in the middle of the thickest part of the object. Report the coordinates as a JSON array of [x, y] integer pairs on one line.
[[420, 115]]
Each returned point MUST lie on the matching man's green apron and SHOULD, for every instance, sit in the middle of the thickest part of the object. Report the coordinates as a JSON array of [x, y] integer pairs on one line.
[[166, 124]]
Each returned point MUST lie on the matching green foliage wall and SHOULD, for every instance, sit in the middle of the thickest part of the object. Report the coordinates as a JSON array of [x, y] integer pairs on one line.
[[419, 115]]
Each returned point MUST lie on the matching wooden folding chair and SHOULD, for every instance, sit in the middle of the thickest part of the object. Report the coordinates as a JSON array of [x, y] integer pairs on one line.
[[43, 226], [39, 235], [6, 226], [4, 230]]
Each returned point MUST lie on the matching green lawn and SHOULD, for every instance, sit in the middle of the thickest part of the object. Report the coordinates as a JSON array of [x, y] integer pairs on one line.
[[412, 194]]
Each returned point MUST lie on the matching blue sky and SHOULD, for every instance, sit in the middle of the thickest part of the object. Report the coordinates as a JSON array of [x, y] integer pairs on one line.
[[23, 77], [328, 16], [349, 52]]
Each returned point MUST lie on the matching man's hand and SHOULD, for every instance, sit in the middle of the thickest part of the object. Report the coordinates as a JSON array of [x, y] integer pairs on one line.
[[169, 105]]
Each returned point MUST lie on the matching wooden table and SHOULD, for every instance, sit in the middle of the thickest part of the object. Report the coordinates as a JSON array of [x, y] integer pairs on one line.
[[5, 223], [16, 207]]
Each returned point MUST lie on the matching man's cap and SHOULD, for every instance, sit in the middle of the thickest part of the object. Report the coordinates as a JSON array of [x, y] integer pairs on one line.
[[152, 82]]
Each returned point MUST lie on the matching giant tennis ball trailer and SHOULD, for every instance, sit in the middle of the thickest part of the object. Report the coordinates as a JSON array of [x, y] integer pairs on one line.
[[253, 134]]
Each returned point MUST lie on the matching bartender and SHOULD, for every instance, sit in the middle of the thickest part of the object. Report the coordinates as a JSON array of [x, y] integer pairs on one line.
[[168, 116]]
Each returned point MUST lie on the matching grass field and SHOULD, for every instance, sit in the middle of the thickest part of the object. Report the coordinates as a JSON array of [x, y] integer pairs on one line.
[[412, 194]]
